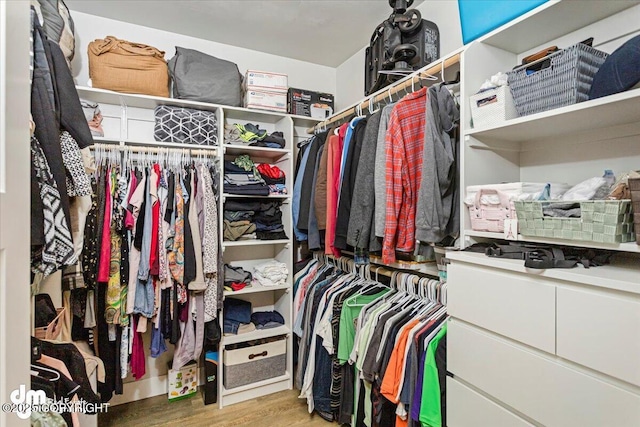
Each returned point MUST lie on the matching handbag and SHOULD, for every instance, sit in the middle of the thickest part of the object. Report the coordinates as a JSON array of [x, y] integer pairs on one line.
[[48, 319], [128, 67], [185, 125], [201, 77]]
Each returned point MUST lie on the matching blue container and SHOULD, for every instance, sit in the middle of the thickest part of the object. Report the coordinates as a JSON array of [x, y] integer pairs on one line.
[[478, 17]]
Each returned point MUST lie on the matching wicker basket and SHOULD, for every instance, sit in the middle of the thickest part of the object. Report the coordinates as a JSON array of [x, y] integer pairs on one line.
[[603, 221], [565, 81]]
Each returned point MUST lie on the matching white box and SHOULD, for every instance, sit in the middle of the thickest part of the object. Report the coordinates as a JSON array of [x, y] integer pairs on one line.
[[266, 80], [492, 107], [266, 100], [182, 382]]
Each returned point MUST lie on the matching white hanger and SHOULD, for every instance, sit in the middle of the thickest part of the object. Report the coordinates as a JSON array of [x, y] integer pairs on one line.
[[51, 371]]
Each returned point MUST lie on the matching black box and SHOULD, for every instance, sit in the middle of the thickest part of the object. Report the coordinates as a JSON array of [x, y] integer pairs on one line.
[[210, 388], [309, 103]]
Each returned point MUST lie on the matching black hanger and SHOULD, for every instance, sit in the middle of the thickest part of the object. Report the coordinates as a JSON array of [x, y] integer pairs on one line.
[[456, 80]]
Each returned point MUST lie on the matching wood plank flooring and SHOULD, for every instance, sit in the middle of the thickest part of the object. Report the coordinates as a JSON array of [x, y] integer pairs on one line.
[[276, 410]]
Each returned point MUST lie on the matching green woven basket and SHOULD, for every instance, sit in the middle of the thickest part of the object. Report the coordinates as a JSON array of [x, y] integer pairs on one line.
[[602, 221]]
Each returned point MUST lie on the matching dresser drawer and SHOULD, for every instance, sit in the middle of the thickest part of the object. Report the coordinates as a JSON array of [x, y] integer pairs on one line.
[[467, 408], [538, 387], [515, 305], [600, 331]]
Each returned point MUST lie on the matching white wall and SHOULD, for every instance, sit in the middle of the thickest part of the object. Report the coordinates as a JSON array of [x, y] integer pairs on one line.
[[301, 74], [350, 80], [350, 74]]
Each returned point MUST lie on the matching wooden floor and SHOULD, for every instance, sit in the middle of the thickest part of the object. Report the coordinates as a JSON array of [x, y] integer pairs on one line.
[[276, 410]]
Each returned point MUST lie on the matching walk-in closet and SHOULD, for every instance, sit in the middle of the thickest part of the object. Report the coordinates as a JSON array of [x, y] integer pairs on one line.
[[366, 213]]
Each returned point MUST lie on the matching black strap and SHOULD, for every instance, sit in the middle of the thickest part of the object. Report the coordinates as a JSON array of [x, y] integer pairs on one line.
[[545, 256]]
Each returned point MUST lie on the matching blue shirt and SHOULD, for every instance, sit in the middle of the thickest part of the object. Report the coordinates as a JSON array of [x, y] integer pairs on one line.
[[297, 189]]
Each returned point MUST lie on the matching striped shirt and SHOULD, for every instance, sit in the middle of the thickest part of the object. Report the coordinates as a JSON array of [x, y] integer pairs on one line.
[[404, 148]]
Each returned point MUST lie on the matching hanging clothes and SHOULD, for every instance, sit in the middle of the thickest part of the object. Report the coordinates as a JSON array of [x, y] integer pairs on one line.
[[370, 354], [154, 222]]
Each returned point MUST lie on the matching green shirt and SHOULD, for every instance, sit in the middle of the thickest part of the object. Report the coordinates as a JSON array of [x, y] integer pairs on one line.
[[350, 310], [430, 410]]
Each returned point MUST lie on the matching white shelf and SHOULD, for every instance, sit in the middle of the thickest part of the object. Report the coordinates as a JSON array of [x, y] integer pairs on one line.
[[607, 112], [255, 242], [256, 288], [150, 102], [157, 144], [265, 152], [268, 381], [622, 274], [551, 21], [255, 335], [621, 247]]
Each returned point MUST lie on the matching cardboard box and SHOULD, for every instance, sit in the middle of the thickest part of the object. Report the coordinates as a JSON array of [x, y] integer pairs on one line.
[[266, 100], [309, 103], [265, 80], [183, 382]]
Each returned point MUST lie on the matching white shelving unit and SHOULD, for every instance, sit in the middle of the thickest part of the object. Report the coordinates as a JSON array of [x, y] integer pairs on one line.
[[515, 328], [128, 120]]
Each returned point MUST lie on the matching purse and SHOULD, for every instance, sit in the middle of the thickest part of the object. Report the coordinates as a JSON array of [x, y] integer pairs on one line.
[[201, 77], [185, 125], [128, 67]]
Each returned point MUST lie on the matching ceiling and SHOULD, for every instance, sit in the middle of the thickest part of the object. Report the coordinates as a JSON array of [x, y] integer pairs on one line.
[[325, 32]]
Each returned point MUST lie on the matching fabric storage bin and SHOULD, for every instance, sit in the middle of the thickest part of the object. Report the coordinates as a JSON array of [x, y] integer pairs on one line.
[[565, 80], [128, 67], [492, 107], [185, 125], [490, 217], [603, 221], [255, 363]]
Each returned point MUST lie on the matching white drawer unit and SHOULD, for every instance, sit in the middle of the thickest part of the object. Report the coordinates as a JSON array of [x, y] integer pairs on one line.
[[600, 331], [550, 393], [514, 305], [466, 407]]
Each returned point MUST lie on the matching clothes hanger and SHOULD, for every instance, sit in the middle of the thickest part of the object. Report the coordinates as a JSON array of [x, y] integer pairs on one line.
[[51, 371]]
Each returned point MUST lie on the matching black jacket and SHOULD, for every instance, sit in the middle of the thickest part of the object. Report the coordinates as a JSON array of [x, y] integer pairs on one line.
[[348, 184]]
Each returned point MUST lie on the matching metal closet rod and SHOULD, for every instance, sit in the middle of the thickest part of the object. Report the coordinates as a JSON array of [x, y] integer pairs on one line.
[[143, 149], [393, 89]]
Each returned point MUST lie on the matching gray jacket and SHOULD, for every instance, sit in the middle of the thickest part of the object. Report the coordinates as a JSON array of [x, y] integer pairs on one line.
[[380, 174], [437, 213], [363, 199]]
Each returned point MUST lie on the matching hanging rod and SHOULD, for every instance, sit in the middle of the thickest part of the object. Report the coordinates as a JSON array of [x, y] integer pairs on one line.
[[393, 89], [384, 270], [143, 149]]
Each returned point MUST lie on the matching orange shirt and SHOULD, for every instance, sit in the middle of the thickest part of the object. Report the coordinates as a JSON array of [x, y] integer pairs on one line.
[[391, 380]]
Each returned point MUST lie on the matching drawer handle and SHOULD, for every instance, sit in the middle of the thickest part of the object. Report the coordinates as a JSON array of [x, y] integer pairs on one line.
[[253, 356]]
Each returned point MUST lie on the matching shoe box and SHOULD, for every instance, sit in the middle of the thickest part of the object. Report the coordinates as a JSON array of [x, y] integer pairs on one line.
[[265, 90], [266, 100], [308, 103], [265, 81]]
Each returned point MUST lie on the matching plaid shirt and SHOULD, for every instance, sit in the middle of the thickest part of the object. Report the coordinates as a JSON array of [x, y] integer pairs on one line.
[[404, 148]]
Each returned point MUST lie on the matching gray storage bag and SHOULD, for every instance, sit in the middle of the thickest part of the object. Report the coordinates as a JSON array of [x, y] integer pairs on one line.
[[201, 77]]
